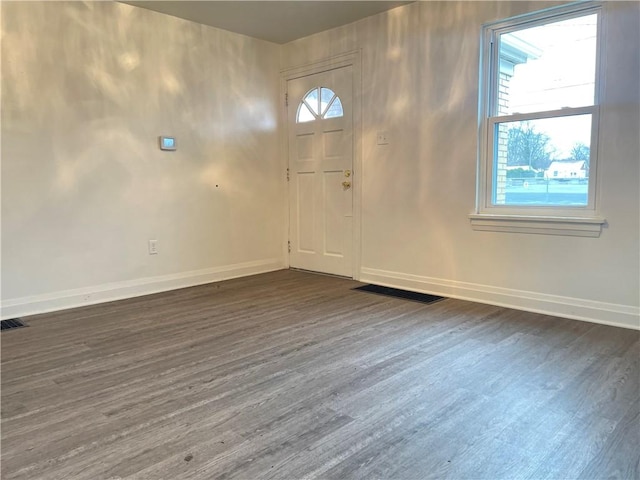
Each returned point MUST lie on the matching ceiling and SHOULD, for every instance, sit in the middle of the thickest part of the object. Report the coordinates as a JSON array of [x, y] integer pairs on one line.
[[274, 21]]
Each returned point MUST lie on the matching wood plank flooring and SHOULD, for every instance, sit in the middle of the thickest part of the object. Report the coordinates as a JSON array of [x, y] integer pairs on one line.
[[290, 375]]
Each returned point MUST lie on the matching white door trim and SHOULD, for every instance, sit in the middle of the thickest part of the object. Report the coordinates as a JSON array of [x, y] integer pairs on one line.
[[354, 60]]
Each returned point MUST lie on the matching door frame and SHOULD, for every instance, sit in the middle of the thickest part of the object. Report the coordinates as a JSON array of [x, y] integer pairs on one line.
[[354, 60]]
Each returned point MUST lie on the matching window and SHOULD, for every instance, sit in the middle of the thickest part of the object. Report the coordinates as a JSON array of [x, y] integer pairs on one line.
[[320, 102], [539, 123]]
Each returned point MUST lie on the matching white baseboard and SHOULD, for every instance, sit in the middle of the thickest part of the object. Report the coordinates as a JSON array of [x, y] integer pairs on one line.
[[31, 305], [625, 316], [574, 308]]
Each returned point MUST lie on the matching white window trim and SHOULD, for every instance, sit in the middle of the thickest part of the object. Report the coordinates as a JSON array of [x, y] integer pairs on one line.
[[548, 225], [551, 220]]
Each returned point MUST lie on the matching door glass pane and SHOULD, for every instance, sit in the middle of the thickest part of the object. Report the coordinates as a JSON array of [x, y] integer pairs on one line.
[[304, 114], [335, 109], [548, 67], [542, 162], [312, 101], [326, 95]]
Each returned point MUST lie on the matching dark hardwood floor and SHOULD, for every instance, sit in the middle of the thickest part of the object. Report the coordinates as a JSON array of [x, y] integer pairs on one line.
[[291, 375]]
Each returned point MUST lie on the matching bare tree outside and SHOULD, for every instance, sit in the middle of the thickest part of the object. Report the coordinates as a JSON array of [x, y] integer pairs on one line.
[[580, 151], [528, 148]]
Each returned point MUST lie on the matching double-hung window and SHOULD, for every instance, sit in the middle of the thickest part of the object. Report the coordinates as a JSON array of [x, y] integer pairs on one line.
[[539, 106]]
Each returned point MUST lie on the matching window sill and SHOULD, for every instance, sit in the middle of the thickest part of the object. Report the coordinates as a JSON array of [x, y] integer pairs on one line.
[[568, 226]]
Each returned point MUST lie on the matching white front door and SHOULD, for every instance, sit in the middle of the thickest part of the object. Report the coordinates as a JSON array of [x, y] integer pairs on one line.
[[320, 123]]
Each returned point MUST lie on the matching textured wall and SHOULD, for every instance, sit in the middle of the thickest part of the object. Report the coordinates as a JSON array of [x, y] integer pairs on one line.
[[88, 87], [420, 83], [86, 90]]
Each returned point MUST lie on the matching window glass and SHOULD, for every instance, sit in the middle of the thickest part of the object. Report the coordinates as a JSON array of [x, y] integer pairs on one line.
[[326, 95], [304, 114], [311, 99], [550, 66], [546, 162], [335, 109]]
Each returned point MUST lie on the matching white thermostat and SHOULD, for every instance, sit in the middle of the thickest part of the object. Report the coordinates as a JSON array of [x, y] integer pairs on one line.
[[167, 143]]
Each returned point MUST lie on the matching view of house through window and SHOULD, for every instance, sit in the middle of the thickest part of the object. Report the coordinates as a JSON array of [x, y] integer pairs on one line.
[[542, 113]]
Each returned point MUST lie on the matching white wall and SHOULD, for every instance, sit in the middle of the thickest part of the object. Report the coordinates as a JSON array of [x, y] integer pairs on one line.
[[88, 87], [420, 83], [86, 90]]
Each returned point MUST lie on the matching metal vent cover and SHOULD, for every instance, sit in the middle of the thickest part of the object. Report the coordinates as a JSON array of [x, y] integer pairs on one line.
[[12, 323]]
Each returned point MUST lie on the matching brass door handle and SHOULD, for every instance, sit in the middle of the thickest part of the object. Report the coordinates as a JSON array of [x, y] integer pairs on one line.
[[346, 184]]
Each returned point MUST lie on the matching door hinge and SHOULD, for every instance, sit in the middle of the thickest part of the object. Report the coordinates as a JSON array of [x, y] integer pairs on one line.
[[286, 99], [289, 246], [287, 174]]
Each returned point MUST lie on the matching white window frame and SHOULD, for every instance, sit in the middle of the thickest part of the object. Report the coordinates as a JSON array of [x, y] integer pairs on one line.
[[554, 220]]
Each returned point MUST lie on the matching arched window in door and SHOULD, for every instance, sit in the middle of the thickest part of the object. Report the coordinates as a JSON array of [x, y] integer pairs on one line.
[[318, 103]]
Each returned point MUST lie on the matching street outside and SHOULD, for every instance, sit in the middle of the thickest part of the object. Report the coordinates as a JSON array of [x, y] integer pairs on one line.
[[547, 193]]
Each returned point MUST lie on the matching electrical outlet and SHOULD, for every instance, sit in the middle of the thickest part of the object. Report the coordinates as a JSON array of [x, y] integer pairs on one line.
[[153, 247]]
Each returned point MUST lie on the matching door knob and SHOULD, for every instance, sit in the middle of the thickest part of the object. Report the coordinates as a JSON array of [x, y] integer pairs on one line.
[[346, 184]]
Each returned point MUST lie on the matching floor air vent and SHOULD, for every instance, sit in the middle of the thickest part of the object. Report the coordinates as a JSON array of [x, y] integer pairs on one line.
[[394, 292], [13, 323]]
